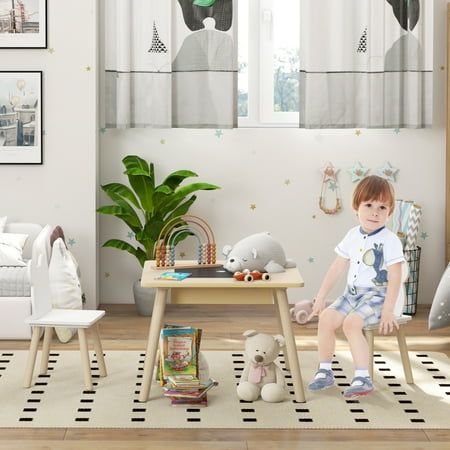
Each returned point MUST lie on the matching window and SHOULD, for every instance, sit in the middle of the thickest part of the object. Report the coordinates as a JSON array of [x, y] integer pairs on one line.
[[268, 59]]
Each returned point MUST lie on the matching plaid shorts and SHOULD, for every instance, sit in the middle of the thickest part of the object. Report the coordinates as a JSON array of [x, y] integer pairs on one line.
[[366, 302]]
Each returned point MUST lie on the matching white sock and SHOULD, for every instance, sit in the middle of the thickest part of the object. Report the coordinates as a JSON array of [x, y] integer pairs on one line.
[[360, 373], [323, 365]]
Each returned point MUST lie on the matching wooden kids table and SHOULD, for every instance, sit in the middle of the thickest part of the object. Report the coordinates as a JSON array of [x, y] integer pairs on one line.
[[208, 290]]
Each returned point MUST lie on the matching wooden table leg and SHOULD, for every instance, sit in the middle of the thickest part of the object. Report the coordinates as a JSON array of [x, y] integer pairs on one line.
[[31, 361], [283, 305], [85, 361], [152, 343], [99, 351], [280, 328], [46, 350]]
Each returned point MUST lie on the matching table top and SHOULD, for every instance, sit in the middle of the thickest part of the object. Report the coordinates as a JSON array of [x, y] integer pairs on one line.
[[291, 278]]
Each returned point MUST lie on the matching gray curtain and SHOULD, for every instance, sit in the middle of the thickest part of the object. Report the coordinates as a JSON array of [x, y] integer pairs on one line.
[[366, 63], [170, 63]]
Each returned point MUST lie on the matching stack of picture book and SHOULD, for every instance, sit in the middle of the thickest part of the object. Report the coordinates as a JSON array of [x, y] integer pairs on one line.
[[179, 366]]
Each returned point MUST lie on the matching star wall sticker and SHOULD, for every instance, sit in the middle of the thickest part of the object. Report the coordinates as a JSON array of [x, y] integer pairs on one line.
[[396, 130], [287, 182], [311, 259], [51, 50], [103, 130], [88, 68], [71, 242], [131, 235], [162, 141], [218, 133], [332, 186], [388, 172], [314, 216], [107, 274], [358, 172], [423, 235], [329, 172], [358, 132], [182, 254], [253, 206]]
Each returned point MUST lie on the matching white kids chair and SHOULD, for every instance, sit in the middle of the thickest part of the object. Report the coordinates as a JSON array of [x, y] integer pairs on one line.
[[45, 317], [401, 320]]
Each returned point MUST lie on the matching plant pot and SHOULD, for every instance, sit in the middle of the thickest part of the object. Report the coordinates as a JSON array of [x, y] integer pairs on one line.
[[144, 298]]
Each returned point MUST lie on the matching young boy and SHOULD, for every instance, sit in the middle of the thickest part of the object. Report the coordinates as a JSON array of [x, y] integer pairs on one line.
[[373, 256]]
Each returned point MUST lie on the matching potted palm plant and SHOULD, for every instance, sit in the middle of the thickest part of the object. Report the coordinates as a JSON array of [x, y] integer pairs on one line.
[[146, 208]]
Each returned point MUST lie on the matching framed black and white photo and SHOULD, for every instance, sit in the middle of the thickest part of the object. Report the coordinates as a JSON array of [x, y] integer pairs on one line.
[[21, 117], [23, 23]]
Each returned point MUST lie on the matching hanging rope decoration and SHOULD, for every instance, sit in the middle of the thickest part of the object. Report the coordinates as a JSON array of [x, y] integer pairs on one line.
[[330, 183]]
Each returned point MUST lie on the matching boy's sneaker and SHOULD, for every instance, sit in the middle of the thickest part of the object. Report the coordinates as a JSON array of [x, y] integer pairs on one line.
[[321, 383], [359, 390]]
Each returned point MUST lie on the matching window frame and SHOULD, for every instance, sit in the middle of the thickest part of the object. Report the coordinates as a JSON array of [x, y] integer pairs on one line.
[[260, 71]]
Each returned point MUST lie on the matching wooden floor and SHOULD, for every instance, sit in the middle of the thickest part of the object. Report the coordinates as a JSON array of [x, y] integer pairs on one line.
[[222, 326]]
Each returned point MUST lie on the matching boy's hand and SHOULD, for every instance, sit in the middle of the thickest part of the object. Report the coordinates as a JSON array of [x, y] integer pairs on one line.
[[318, 307], [387, 322]]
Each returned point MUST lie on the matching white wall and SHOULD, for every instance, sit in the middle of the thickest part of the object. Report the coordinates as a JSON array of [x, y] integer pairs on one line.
[[62, 190], [251, 165]]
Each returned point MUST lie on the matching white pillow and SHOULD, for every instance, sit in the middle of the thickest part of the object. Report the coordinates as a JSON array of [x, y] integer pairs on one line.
[[2, 224], [11, 246], [64, 284]]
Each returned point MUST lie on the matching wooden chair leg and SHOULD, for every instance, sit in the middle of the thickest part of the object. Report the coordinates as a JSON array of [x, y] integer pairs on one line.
[[48, 333], [369, 336], [32, 356], [99, 351], [404, 355], [85, 359]]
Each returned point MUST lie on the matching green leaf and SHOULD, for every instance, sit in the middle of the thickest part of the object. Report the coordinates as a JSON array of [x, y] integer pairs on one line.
[[181, 209], [122, 245], [183, 192], [136, 166], [143, 187], [118, 189], [120, 212], [176, 178], [160, 195]]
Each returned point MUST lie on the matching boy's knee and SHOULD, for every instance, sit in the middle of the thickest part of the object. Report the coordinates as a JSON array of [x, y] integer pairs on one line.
[[328, 319], [352, 323]]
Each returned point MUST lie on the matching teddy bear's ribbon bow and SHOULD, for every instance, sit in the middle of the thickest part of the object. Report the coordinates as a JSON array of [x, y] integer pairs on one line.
[[256, 374]]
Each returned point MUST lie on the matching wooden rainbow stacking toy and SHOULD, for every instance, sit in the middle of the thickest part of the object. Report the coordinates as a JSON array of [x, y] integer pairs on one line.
[[165, 245]]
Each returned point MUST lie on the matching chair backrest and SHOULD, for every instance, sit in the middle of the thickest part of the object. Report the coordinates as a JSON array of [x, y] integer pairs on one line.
[[32, 229], [401, 299], [40, 286]]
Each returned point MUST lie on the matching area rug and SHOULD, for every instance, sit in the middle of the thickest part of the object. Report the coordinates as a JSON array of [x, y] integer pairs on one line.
[[58, 399]]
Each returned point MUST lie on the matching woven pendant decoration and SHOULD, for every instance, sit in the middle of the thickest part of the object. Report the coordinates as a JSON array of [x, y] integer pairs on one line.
[[329, 183]]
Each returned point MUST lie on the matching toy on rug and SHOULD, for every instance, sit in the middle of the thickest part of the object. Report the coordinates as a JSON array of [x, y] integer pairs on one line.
[[302, 310], [248, 276], [256, 252], [261, 376]]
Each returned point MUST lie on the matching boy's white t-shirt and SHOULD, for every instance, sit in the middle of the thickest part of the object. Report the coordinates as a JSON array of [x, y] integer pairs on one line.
[[370, 255]]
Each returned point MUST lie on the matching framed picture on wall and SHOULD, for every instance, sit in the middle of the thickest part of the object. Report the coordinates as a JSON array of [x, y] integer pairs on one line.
[[23, 23], [21, 117]]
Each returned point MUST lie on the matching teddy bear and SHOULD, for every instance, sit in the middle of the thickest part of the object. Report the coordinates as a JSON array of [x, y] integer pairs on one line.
[[302, 310], [261, 376], [258, 251]]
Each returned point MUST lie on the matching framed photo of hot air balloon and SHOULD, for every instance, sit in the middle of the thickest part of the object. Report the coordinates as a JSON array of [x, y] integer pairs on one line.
[[23, 23], [21, 117]]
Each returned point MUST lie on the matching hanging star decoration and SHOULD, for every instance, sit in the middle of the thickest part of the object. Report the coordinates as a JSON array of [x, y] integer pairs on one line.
[[218, 133], [358, 172], [388, 171], [252, 206], [329, 182]]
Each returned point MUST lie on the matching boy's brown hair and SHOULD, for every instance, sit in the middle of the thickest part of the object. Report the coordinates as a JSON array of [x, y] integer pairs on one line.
[[376, 189]]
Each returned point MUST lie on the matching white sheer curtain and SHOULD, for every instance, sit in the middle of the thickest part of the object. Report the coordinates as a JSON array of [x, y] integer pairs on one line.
[[170, 63], [366, 63]]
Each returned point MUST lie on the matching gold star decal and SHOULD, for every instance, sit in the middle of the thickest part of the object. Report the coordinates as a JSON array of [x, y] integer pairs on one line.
[[88, 68], [252, 206], [51, 50], [314, 216], [107, 274], [182, 254], [162, 141], [358, 132], [442, 67], [287, 182]]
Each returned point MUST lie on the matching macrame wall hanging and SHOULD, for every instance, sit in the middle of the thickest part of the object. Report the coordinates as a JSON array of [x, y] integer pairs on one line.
[[330, 183]]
